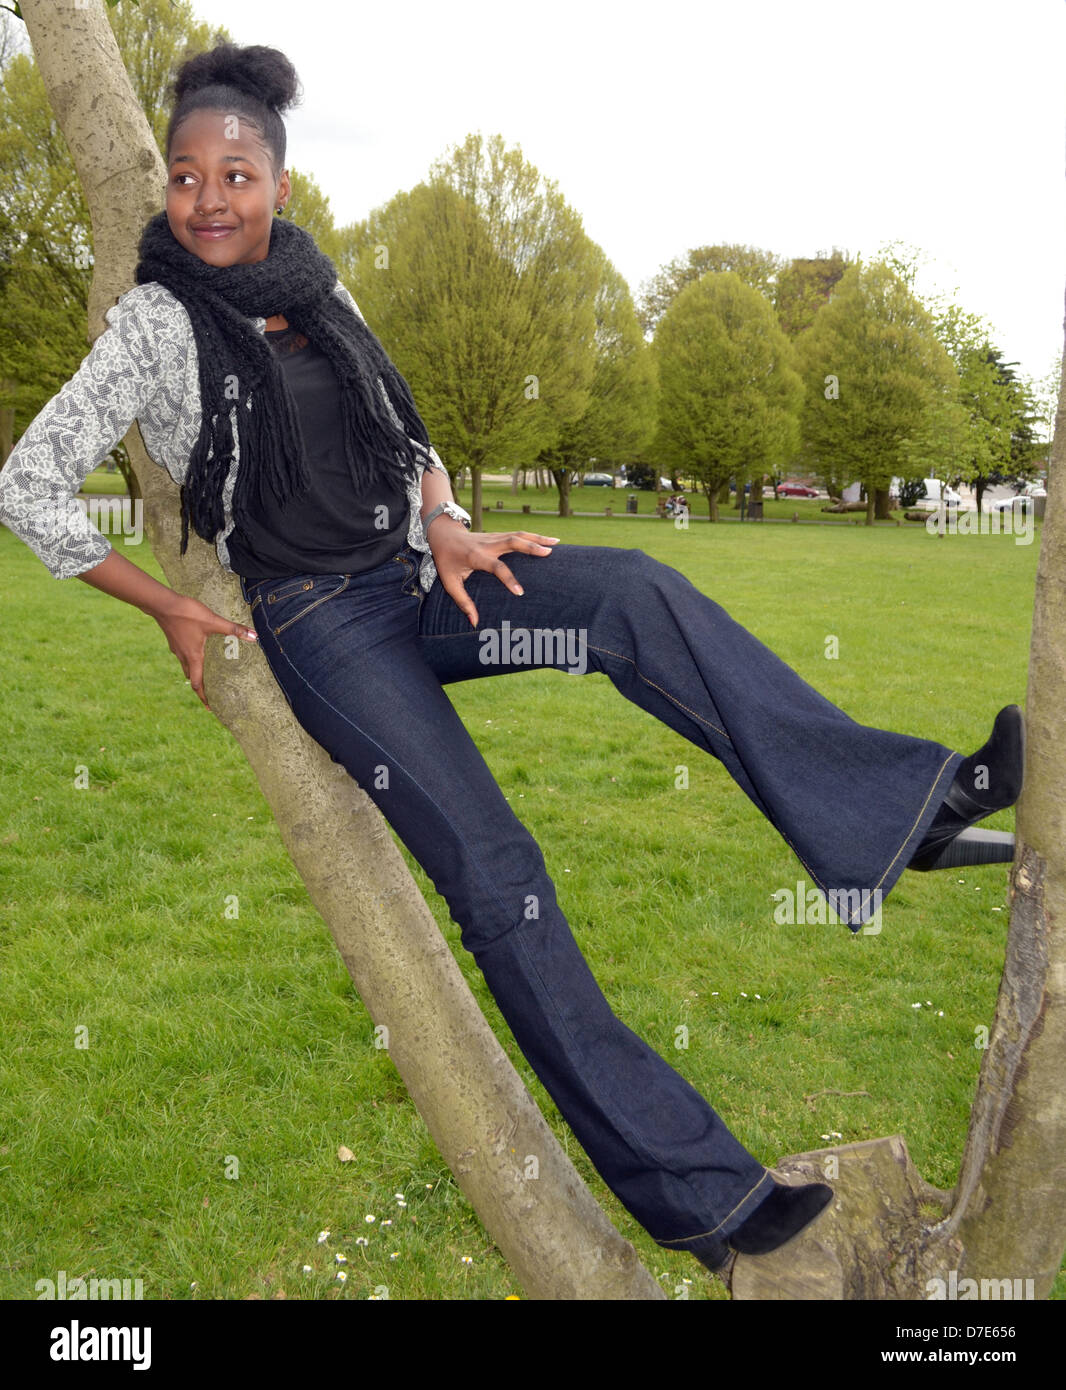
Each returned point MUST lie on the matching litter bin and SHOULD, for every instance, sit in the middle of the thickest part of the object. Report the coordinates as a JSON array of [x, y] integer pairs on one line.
[[631, 502], [755, 510]]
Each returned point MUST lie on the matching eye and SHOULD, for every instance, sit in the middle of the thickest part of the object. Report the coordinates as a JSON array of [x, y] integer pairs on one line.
[[232, 173]]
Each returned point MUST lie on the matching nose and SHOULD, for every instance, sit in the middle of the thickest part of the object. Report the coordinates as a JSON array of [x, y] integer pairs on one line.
[[211, 198]]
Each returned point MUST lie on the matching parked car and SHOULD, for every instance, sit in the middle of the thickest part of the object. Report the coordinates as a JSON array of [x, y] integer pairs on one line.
[[1022, 499], [598, 480], [796, 490]]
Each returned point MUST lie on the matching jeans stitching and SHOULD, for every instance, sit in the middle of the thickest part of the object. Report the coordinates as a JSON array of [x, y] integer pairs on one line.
[[661, 691], [412, 571], [277, 631], [918, 817], [899, 851], [676, 1240]]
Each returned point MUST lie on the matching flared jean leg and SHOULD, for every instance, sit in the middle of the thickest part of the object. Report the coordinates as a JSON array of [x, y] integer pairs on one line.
[[346, 652], [852, 801]]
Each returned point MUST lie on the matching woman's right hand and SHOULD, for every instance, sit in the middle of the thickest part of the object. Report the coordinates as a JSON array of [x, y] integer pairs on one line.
[[187, 623]]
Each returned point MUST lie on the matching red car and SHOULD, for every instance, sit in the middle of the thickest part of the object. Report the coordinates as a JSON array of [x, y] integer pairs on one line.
[[796, 490]]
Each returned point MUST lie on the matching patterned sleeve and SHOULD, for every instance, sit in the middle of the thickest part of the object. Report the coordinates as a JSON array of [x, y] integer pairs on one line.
[[70, 437], [431, 457]]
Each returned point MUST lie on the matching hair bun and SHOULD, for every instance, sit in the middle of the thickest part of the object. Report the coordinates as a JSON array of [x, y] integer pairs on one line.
[[263, 73]]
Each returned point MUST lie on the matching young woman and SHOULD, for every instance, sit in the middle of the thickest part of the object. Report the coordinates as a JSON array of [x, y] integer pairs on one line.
[[303, 459]]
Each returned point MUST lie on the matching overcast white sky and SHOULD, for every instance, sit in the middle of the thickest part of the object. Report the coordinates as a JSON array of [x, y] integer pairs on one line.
[[677, 123]]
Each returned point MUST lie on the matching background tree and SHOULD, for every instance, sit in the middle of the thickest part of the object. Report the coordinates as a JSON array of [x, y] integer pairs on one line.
[[986, 394], [47, 264], [881, 389], [803, 286], [729, 390], [756, 268], [622, 411], [482, 285], [1043, 392]]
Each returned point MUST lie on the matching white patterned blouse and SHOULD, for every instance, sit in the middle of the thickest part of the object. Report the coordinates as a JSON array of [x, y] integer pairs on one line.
[[143, 367]]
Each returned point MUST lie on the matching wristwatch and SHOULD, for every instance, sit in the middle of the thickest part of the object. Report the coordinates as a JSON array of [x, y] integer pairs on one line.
[[451, 509]]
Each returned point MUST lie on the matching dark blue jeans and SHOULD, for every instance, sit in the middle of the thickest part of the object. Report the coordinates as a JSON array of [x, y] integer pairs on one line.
[[362, 660]]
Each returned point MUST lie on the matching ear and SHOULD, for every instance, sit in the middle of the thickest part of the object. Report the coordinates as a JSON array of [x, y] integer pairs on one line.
[[284, 189]]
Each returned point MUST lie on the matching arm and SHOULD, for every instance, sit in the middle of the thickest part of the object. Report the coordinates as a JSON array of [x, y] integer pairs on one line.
[[185, 621], [74, 432]]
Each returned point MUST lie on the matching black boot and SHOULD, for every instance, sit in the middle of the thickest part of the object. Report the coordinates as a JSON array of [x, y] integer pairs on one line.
[[783, 1215], [989, 780]]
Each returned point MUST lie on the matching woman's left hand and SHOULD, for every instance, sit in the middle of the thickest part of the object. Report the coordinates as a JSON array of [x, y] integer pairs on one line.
[[457, 553]]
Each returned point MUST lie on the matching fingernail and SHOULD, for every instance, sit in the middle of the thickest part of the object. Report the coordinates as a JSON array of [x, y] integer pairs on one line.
[[252, 636], [518, 589]]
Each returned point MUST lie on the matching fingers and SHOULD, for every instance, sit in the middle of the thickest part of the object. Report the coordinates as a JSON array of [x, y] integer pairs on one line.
[[194, 667], [195, 672], [455, 588], [504, 575], [528, 541], [230, 629]]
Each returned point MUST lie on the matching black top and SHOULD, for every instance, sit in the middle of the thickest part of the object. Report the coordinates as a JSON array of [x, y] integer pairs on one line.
[[332, 528]]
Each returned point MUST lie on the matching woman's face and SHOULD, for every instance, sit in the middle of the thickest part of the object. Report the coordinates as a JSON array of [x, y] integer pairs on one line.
[[221, 190]]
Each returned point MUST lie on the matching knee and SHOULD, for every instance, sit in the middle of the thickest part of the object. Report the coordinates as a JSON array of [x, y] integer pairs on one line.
[[644, 571]]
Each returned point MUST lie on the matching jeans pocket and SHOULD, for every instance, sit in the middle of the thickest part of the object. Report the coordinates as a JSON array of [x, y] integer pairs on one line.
[[292, 599], [411, 563]]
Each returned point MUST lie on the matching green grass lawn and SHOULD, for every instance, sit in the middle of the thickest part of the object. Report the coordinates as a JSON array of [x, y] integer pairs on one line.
[[211, 1039]]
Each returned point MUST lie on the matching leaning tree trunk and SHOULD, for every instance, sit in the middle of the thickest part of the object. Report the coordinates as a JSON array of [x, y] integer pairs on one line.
[[1005, 1219], [551, 1231]]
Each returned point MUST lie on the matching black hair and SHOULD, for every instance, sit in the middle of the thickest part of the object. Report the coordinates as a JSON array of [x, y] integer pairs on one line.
[[254, 82]]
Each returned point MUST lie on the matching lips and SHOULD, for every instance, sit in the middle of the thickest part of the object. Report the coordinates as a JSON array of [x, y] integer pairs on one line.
[[213, 231]]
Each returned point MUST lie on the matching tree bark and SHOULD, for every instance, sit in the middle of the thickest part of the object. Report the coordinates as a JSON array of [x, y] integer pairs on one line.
[[561, 477], [1010, 1212], [553, 1234], [882, 504]]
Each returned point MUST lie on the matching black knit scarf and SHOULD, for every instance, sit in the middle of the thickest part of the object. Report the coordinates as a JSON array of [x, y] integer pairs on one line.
[[238, 367]]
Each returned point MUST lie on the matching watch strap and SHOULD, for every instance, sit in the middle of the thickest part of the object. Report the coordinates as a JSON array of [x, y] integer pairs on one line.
[[448, 508]]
